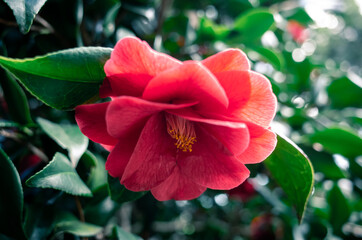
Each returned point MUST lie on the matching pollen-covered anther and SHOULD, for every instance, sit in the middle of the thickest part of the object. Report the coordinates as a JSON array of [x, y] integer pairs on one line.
[[182, 131]]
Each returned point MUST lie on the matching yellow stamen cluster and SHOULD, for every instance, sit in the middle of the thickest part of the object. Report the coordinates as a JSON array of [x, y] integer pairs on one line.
[[182, 131]]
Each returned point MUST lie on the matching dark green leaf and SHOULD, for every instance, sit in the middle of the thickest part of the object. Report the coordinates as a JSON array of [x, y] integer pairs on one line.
[[89, 159], [62, 79], [59, 174], [39, 221], [11, 199], [344, 93], [15, 98], [323, 162], [254, 23], [292, 170], [120, 234], [119, 193], [67, 136], [25, 11], [66, 222], [339, 209], [338, 140]]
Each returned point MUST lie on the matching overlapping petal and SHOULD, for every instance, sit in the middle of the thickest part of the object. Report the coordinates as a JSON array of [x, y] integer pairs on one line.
[[132, 64], [233, 135], [178, 187], [237, 87], [189, 82], [127, 114], [91, 119], [262, 144], [153, 158], [228, 60], [211, 164]]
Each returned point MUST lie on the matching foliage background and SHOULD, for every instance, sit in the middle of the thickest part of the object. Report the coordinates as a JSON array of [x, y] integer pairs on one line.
[[316, 78]]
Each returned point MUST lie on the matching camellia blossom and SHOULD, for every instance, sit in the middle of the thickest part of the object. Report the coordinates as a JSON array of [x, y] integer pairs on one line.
[[177, 128]]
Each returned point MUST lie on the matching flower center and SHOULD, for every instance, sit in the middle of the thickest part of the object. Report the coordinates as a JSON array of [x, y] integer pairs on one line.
[[182, 131]]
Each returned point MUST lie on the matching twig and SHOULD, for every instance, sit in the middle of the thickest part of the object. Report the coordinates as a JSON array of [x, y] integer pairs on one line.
[[161, 16], [30, 146], [80, 211]]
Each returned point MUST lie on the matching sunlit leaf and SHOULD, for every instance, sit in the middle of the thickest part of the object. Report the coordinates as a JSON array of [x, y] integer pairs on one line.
[[121, 234], [67, 136], [25, 11], [338, 140], [59, 174], [291, 169], [66, 222]]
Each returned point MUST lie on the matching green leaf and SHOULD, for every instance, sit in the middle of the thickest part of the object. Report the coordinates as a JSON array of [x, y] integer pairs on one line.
[[66, 222], [339, 209], [67, 136], [292, 170], [59, 174], [338, 140], [97, 175], [11, 199], [109, 24], [343, 93], [119, 193], [253, 23], [15, 98], [62, 79], [323, 162], [274, 58], [25, 11], [120, 234]]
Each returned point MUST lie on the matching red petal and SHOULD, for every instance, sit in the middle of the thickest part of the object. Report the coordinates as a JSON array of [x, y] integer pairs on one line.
[[106, 90], [153, 159], [190, 81], [131, 55], [261, 107], [211, 165], [119, 157], [230, 59], [177, 187], [262, 144], [233, 135], [91, 119], [131, 84], [237, 87], [126, 114]]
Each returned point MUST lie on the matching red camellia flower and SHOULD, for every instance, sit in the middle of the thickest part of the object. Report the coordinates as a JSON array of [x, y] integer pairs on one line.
[[177, 128]]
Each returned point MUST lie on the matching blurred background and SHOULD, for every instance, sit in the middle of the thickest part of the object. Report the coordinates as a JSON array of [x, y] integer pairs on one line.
[[311, 52]]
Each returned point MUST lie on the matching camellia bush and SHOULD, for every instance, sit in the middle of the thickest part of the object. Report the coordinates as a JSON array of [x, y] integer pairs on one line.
[[140, 119]]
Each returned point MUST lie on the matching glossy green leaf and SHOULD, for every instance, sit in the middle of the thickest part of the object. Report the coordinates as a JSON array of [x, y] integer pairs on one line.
[[120, 234], [338, 140], [119, 193], [292, 170], [254, 23], [89, 159], [339, 209], [62, 79], [14, 95], [25, 11], [67, 136], [11, 199], [66, 222], [59, 174]]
